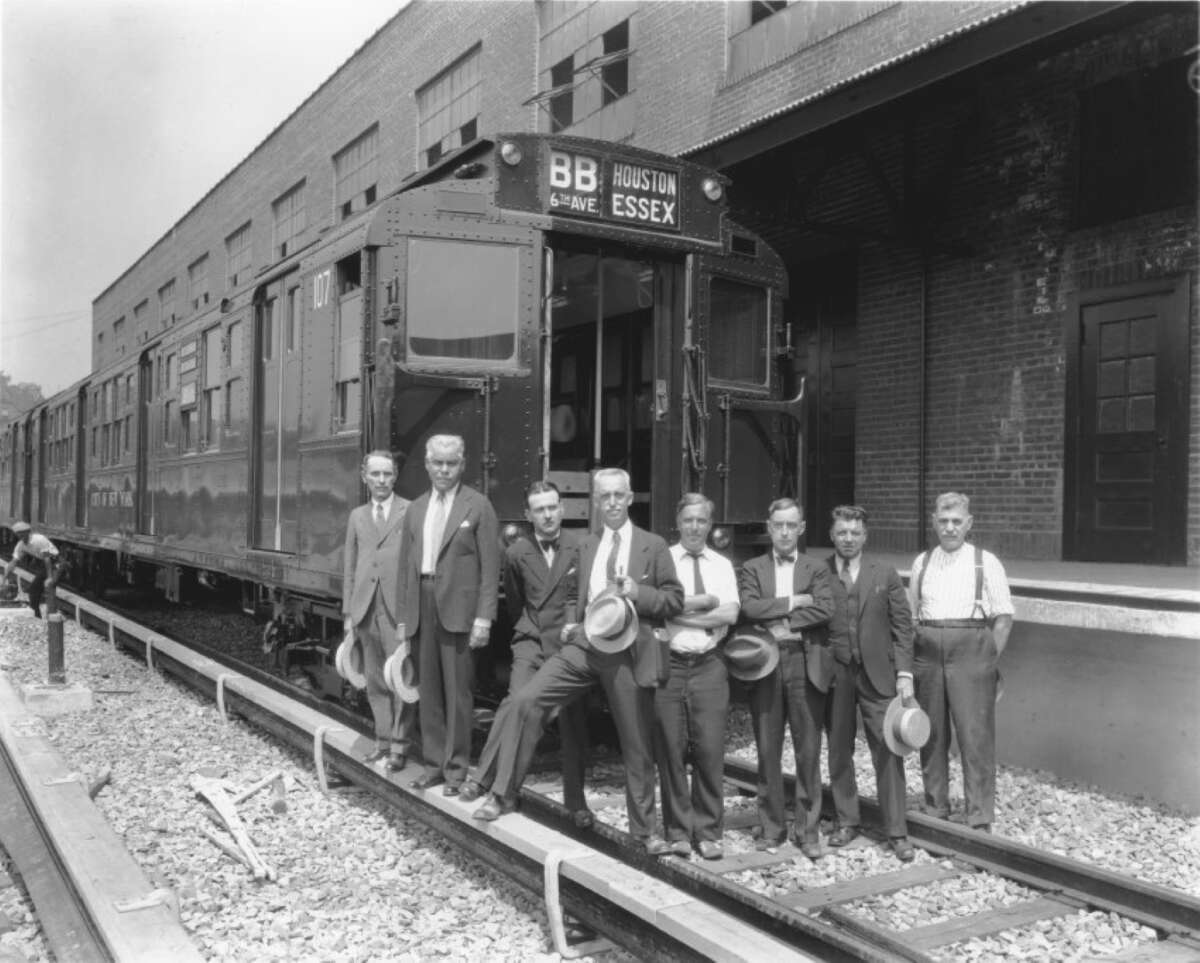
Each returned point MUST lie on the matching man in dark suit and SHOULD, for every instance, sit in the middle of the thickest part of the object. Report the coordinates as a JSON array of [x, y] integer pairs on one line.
[[370, 584], [874, 664], [792, 597], [634, 565], [450, 581], [539, 585]]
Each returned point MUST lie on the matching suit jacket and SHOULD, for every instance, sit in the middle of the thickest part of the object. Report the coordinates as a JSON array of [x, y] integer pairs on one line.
[[371, 561], [660, 597], [882, 621], [538, 595], [756, 586], [467, 571]]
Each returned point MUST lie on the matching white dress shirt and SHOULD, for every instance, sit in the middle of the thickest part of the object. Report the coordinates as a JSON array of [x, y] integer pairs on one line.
[[599, 578], [719, 581], [387, 508], [429, 551]]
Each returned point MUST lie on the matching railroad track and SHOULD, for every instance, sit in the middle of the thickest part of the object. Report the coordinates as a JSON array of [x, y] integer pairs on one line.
[[813, 922]]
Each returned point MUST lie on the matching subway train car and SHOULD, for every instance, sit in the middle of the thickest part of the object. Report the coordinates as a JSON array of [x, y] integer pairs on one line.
[[563, 304]]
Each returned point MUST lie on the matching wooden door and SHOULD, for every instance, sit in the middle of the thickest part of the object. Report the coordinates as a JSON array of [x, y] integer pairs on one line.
[[1127, 423]]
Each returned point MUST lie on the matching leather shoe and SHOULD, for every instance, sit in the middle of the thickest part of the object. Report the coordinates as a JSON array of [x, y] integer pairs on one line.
[[470, 791], [710, 849], [396, 762], [428, 781], [493, 808], [762, 844], [583, 819], [680, 847], [843, 835], [451, 790], [903, 849], [811, 848], [657, 846], [377, 754], [983, 827]]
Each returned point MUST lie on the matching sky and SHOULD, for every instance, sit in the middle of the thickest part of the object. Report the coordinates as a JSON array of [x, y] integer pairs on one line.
[[117, 116]]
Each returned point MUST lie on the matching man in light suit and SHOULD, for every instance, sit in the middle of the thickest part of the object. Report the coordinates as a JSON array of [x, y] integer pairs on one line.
[[539, 585], [635, 565], [449, 585], [792, 597], [370, 584], [874, 664]]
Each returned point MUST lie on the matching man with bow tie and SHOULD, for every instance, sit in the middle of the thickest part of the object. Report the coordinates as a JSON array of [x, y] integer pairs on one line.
[[790, 596], [539, 584], [874, 665], [370, 584], [450, 583]]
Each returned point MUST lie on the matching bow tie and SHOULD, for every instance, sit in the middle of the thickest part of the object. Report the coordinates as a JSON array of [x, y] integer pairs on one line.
[[785, 559], [548, 544]]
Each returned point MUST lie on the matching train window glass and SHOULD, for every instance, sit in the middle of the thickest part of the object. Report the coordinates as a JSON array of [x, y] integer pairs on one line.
[[462, 300], [268, 330], [235, 344], [614, 77], [237, 256], [349, 403], [166, 304], [448, 107], [291, 218], [185, 429], [562, 105], [198, 282], [349, 344], [355, 172], [739, 330]]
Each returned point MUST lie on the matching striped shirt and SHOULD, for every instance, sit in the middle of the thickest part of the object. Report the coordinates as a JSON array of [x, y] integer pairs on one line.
[[948, 589]]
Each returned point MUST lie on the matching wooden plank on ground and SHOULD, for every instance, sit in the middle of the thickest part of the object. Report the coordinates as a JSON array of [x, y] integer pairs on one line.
[[785, 853], [869, 886], [992, 920]]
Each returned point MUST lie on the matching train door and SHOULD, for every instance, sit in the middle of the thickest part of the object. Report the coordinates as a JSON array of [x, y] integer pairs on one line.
[[79, 438], [276, 470], [612, 315]]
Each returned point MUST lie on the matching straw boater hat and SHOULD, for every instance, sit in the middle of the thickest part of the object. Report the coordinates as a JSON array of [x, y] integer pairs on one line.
[[400, 674], [349, 662], [905, 727], [19, 527], [610, 622], [751, 654]]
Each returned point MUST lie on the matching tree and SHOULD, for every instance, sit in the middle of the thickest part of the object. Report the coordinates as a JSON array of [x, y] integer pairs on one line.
[[16, 399]]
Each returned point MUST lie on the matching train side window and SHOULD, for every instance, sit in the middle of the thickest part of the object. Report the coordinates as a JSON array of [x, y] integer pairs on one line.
[[738, 332], [462, 300]]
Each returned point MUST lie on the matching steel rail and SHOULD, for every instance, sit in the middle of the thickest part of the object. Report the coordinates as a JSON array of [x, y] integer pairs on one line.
[[611, 912], [1169, 911]]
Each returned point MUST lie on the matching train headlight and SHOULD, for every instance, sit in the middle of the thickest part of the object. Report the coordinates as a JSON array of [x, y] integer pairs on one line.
[[510, 153], [720, 538], [713, 189]]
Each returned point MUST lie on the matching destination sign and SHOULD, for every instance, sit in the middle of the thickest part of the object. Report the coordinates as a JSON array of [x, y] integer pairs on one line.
[[613, 190]]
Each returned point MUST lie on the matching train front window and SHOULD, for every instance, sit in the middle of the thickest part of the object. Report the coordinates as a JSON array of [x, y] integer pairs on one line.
[[462, 300], [739, 333]]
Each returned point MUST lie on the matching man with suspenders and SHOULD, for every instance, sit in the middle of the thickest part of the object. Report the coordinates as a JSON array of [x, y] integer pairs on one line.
[[964, 615]]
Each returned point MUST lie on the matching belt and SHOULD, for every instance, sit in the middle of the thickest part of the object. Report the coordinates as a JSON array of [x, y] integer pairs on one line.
[[428, 578], [693, 658], [954, 623]]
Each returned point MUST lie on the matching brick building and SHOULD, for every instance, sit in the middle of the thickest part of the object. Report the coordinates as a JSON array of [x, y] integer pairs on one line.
[[988, 213]]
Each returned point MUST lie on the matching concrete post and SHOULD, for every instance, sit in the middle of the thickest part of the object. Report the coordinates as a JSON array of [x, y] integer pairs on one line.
[[54, 629]]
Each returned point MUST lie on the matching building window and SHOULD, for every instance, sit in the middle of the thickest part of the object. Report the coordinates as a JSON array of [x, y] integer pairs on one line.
[[211, 399], [233, 400], [235, 344], [1137, 145], [448, 108], [169, 423], [291, 218], [761, 9], [118, 329], [166, 304], [172, 371], [198, 282], [614, 77], [355, 173], [139, 319], [562, 105], [237, 256]]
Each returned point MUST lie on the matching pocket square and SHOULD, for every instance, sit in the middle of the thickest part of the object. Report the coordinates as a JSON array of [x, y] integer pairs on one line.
[[571, 570], [465, 524]]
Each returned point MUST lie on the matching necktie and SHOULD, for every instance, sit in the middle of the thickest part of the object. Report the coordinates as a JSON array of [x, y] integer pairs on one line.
[[697, 578], [439, 525], [610, 567], [847, 579], [379, 514]]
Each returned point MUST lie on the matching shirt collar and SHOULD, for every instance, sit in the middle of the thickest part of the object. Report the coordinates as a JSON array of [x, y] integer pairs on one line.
[[626, 531], [386, 503], [434, 494]]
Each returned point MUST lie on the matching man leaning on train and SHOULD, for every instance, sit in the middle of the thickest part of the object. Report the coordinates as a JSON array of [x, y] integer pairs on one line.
[[370, 585]]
